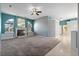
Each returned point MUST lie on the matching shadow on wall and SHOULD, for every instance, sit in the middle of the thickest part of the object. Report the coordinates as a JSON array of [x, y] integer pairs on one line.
[[42, 27]]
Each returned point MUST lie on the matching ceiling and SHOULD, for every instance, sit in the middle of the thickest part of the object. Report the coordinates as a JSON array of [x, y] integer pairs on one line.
[[55, 10]]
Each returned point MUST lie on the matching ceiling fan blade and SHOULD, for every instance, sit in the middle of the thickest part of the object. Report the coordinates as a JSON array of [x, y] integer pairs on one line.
[[37, 14], [39, 11]]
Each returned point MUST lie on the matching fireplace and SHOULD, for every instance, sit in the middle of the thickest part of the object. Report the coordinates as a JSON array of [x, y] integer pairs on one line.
[[20, 32]]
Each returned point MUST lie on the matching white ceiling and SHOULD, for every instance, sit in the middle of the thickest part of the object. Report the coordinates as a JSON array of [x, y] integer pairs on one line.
[[55, 10]]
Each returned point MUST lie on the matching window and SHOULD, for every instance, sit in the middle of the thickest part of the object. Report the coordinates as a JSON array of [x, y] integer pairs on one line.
[[9, 25], [29, 26]]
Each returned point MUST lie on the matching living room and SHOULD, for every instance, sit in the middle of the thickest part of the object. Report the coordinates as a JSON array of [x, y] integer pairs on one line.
[[32, 26]]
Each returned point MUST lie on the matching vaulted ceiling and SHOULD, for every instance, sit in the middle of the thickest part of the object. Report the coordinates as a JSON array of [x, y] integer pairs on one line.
[[55, 10]]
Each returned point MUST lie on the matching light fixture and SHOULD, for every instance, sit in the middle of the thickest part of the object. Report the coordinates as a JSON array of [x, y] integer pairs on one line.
[[35, 11]]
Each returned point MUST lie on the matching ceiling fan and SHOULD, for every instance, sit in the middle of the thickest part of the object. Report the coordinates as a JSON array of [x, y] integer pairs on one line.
[[36, 11]]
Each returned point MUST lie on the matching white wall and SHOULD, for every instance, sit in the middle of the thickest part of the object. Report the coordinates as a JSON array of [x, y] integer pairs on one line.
[[51, 27], [44, 27], [41, 26], [58, 29], [62, 11], [78, 32]]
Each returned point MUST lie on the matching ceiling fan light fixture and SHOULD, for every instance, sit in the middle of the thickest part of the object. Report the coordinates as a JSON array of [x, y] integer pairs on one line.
[[35, 11]]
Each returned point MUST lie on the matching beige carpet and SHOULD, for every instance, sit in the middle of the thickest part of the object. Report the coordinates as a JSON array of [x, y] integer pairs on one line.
[[32, 46]]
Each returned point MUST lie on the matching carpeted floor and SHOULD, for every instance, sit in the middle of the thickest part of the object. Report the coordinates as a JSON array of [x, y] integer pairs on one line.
[[32, 46]]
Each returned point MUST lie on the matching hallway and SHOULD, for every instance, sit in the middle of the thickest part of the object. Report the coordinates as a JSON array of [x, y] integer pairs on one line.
[[63, 48]]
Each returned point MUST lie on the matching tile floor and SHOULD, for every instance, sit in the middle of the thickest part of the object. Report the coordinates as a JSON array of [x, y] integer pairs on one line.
[[63, 48]]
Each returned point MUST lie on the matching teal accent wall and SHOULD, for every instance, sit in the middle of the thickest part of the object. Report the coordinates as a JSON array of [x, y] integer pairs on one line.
[[5, 17], [31, 21], [64, 22], [0, 24], [0, 21]]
